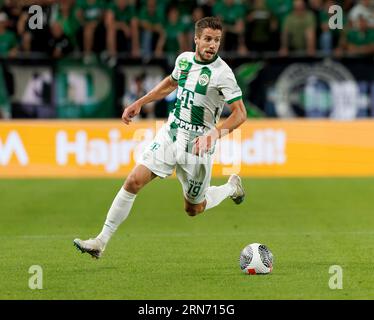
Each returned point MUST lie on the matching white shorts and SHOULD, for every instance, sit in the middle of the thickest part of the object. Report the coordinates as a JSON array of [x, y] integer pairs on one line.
[[162, 156]]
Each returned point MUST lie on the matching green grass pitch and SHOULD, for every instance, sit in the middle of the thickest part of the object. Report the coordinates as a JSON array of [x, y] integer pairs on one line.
[[161, 253]]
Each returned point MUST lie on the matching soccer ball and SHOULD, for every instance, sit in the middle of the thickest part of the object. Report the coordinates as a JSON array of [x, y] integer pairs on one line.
[[256, 258]]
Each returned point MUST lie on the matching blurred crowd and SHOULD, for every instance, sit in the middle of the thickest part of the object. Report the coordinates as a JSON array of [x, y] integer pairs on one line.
[[151, 28]]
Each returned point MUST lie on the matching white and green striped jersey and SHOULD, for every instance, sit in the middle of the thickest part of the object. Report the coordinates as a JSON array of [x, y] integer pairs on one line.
[[203, 89]]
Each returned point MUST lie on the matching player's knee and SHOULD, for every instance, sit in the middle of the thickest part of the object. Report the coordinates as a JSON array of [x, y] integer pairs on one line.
[[193, 210], [133, 184]]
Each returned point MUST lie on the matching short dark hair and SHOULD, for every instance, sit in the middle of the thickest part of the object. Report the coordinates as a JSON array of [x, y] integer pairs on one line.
[[207, 22]]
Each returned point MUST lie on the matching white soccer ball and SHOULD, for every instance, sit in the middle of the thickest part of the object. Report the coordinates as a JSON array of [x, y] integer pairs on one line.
[[256, 258]]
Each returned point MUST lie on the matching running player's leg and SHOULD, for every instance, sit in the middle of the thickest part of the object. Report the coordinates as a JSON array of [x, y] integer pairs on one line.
[[156, 160], [124, 200], [214, 195], [232, 188], [118, 212], [193, 209], [199, 195], [194, 177]]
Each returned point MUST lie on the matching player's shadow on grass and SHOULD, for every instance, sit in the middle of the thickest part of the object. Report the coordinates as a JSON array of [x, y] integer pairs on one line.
[[94, 268]]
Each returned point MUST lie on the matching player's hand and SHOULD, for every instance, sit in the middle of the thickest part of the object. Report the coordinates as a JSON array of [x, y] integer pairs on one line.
[[130, 112], [203, 144]]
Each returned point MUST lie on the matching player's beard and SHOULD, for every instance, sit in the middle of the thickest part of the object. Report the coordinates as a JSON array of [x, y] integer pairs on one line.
[[201, 56]]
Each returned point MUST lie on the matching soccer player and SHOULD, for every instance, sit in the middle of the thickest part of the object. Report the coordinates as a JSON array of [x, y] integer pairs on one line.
[[204, 82]]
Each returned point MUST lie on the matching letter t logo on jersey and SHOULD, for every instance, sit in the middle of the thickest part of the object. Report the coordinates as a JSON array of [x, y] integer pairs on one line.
[[187, 99]]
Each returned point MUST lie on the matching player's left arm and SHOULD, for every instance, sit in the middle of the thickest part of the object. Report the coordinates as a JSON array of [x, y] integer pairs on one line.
[[237, 117]]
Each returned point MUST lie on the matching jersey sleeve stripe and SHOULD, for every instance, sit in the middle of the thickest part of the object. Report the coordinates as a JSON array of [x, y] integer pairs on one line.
[[171, 75], [234, 99]]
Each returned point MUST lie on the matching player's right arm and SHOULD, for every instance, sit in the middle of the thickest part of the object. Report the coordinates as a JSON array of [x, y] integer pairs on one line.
[[164, 88]]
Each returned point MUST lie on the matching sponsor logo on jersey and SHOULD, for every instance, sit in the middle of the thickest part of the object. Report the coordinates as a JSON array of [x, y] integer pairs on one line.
[[189, 126]]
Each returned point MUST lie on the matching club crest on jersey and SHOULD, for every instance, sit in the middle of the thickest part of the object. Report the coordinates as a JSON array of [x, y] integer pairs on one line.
[[183, 64], [204, 79]]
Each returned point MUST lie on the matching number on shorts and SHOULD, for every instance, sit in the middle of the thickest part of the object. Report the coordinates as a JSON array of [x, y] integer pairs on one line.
[[193, 190]]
